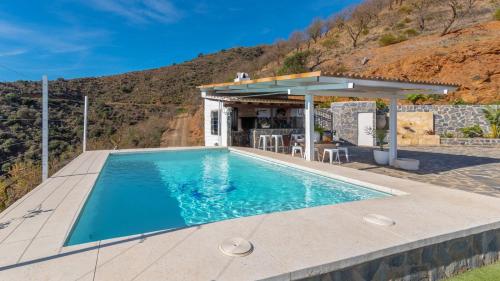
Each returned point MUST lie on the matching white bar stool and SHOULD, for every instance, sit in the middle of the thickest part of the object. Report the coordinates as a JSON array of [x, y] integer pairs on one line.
[[346, 152], [330, 152], [278, 142], [264, 141]]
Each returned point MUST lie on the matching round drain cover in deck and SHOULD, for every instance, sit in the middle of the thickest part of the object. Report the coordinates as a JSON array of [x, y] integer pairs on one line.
[[379, 220], [236, 247]]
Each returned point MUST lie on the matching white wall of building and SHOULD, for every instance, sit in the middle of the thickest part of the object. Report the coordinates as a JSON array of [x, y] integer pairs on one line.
[[215, 140]]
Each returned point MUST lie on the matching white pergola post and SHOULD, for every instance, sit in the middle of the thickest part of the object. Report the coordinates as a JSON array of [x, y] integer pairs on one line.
[[309, 126], [393, 130]]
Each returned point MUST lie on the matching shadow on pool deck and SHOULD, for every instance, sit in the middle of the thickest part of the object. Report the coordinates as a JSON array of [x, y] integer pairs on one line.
[[430, 162], [470, 168], [140, 238]]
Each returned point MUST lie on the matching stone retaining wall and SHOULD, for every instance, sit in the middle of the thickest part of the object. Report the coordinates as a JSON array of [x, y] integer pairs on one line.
[[447, 119], [470, 141], [345, 118], [433, 262], [451, 118]]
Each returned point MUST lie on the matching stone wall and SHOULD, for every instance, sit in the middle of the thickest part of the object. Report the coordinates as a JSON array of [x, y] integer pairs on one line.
[[470, 141], [345, 118], [446, 119], [433, 262], [451, 118]]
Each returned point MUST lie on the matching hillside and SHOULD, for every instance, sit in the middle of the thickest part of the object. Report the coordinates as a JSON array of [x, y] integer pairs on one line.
[[469, 57], [136, 109], [162, 107]]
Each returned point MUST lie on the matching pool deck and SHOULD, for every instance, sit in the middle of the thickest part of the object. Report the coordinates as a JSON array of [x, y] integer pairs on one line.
[[288, 245]]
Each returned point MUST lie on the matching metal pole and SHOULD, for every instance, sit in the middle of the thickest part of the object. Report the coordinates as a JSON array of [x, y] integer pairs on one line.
[[85, 108], [45, 128], [393, 130]]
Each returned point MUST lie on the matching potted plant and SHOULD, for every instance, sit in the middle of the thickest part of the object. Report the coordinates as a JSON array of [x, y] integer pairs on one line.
[[318, 133], [493, 117], [264, 124], [381, 118], [380, 155]]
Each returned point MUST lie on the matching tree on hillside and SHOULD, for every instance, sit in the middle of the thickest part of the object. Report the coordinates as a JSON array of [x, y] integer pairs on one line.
[[395, 2], [421, 8], [458, 10], [296, 63], [297, 38], [279, 50], [358, 21], [333, 22], [315, 30], [318, 58]]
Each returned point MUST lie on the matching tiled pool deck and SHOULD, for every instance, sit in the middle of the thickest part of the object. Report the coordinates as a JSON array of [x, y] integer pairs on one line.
[[288, 245]]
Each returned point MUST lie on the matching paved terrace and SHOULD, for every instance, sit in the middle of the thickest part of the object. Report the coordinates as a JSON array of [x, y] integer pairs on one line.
[[469, 168], [288, 245]]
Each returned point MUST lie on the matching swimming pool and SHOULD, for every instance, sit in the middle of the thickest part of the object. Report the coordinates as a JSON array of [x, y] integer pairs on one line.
[[144, 192]]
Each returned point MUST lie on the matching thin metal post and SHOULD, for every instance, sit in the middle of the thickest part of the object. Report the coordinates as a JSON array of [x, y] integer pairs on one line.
[[393, 130], [45, 128], [85, 108]]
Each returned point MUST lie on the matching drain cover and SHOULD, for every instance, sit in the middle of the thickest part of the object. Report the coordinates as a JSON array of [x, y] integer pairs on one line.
[[236, 247], [379, 220]]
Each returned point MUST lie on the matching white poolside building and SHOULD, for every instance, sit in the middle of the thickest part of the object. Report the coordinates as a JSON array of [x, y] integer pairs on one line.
[[237, 113]]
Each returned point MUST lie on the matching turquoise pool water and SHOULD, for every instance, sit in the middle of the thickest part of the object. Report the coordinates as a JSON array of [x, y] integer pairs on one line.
[[144, 192]]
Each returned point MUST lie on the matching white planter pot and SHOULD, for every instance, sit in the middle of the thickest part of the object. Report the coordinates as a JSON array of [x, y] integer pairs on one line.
[[407, 164], [381, 157]]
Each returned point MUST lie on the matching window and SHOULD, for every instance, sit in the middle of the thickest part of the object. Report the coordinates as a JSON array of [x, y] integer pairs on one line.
[[214, 122]]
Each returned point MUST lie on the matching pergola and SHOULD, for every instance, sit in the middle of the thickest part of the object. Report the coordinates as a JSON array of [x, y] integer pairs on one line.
[[313, 84]]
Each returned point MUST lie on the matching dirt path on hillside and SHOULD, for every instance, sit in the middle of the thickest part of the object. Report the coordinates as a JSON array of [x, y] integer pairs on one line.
[[178, 134]]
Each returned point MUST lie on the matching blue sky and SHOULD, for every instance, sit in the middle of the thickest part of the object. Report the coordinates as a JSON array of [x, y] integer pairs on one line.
[[80, 38]]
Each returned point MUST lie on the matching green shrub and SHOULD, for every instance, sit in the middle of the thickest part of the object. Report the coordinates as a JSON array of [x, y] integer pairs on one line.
[[330, 43], [327, 103], [381, 105], [400, 25], [436, 97], [411, 32], [415, 98], [472, 131], [448, 135], [496, 15], [181, 110], [493, 117], [127, 89], [459, 101], [341, 68], [296, 63], [405, 10], [389, 39]]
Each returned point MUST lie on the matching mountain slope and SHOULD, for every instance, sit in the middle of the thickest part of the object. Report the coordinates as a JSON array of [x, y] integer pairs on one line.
[[469, 57]]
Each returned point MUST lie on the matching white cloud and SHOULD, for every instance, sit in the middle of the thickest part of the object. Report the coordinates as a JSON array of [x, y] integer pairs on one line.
[[140, 11], [11, 53], [53, 40]]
